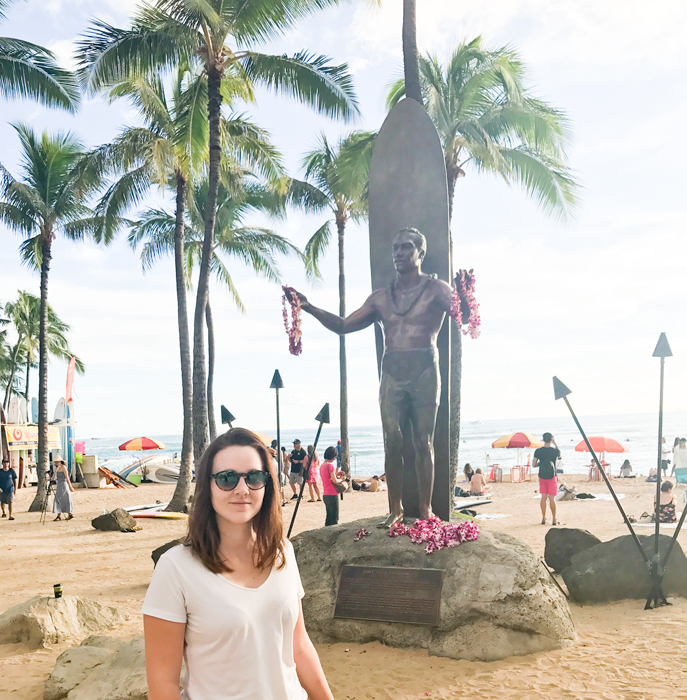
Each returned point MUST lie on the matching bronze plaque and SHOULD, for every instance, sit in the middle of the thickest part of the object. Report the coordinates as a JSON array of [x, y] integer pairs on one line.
[[389, 594]]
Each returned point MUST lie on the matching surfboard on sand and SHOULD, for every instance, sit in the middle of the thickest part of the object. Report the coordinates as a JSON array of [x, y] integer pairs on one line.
[[408, 188]]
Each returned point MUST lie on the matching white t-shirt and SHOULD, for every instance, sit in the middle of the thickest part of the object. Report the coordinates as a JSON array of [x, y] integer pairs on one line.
[[238, 641]]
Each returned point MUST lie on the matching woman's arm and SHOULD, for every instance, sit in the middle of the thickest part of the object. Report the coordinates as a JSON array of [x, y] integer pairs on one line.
[[65, 471], [308, 666], [164, 652]]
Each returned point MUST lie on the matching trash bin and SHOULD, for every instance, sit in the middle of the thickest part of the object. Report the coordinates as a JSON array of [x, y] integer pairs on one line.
[[135, 479]]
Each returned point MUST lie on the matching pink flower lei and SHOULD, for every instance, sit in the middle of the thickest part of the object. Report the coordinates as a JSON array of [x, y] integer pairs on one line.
[[464, 306], [436, 533], [294, 331]]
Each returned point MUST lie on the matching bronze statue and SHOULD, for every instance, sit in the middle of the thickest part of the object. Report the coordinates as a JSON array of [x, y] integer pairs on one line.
[[411, 311]]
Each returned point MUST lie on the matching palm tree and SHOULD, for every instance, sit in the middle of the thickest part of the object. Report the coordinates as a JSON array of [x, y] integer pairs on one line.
[[411, 68], [30, 71], [486, 118], [58, 177], [169, 151], [336, 182], [254, 246], [173, 32], [8, 363], [24, 313]]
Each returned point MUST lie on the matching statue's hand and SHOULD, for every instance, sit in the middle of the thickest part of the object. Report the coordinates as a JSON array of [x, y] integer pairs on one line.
[[302, 299]]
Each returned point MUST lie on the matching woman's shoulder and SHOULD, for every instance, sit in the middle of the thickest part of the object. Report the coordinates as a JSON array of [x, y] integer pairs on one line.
[[177, 556]]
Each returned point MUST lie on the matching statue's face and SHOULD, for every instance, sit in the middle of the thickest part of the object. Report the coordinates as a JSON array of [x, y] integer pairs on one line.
[[404, 253]]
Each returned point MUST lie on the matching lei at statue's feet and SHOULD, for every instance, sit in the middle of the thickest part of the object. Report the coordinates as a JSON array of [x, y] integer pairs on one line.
[[390, 521], [425, 516]]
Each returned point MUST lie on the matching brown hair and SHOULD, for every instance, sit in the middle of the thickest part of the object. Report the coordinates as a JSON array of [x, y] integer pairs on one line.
[[203, 533]]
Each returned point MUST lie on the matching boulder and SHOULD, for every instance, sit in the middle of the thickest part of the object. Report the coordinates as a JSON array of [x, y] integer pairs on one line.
[[615, 570], [75, 664], [562, 543], [44, 620], [117, 520], [157, 553], [101, 667], [497, 599]]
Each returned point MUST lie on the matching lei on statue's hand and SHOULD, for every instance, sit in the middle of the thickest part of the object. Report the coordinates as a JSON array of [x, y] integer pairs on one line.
[[294, 329], [464, 306]]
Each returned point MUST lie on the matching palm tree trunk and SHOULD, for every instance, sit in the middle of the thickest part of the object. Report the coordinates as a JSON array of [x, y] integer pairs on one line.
[[411, 66], [42, 460], [211, 371], [182, 489], [343, 369], [456, 359], [28, 374], [200, 405], [10, 384]]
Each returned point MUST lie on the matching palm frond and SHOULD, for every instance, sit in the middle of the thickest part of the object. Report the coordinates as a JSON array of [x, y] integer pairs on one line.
[[308, 78], [314, 249], [30, 71]]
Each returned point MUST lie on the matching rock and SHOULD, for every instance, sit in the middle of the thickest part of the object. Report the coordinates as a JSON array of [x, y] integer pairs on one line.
[[616, 570], [118, 519], [157, 553], [497, 598], [75, 664], [564, 542], [44, 620], [101, 667]]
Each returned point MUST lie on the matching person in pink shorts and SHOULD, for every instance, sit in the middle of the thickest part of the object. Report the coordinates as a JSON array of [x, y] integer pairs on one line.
[[545, 459]]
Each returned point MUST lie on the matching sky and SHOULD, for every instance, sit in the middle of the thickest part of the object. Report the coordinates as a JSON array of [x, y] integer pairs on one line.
[[585, 299]]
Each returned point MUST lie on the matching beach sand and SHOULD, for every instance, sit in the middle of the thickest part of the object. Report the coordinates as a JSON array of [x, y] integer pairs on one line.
[[623, 652]]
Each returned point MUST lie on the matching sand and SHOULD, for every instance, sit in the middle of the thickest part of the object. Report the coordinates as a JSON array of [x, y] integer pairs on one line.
[[623, 652]]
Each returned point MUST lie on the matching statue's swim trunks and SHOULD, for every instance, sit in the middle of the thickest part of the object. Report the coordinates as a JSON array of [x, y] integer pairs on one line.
[[410, 377]]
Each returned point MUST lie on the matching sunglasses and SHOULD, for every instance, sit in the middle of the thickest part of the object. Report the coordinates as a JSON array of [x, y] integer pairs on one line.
[[228, 480]]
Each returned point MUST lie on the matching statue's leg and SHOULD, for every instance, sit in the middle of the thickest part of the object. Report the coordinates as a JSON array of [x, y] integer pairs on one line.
[[390, 402], [424, 405]]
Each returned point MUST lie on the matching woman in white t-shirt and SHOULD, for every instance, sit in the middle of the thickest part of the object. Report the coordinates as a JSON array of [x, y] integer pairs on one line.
[[227, 601]]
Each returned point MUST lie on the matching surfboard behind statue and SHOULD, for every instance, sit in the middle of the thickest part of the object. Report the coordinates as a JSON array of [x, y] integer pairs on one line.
[[408, 188]]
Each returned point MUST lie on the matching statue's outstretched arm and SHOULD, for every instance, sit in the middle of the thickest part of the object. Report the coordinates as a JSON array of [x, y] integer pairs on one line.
[[363, 317]]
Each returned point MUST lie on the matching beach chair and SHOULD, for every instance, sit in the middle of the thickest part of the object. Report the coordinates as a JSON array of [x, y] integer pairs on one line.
[[496, 473], [681, 475], [516, 475]]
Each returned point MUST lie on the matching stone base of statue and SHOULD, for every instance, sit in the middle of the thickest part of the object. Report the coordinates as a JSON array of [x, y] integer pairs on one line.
[[496, 599]]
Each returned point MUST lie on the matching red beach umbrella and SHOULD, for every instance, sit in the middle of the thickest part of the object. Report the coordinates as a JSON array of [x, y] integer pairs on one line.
[[141, 443], [601, 444], [517, 441]]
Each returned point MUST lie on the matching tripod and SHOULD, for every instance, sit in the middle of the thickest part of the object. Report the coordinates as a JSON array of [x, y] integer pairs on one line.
[[48, 492]]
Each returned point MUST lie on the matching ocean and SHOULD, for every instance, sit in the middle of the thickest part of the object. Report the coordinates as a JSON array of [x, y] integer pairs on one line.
[[637, 432]]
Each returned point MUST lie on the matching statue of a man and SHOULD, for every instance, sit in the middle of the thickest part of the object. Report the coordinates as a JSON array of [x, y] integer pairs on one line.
[[411, 311]]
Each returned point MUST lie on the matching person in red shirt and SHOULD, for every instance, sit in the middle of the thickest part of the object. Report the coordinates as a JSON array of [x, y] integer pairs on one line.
[[330, 495]]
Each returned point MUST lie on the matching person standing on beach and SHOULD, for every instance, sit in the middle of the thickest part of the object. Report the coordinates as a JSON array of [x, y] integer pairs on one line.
[[297, 461], [225, 606], [8, 485], [545, 459], [63, 491], [666, 454], [313, 469], [330, 476], [679, 456]]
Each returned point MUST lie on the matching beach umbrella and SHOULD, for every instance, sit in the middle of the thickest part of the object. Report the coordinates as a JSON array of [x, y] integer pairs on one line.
[[601, 444], [517, 441], [141, 443]]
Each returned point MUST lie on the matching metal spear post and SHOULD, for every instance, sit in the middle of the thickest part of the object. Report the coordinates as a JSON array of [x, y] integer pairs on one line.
[[322, 417], [561, 392], [277, 384], [662, 350], [227, 417]]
